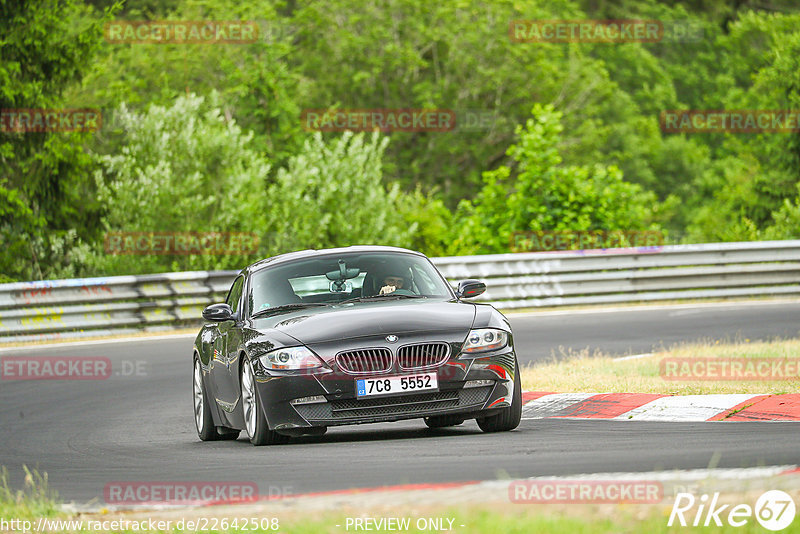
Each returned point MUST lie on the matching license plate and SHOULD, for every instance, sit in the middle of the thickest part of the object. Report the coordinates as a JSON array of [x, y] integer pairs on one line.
[[370, 387]]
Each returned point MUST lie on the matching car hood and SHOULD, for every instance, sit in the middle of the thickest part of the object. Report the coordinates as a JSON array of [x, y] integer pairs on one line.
[[369, 319]]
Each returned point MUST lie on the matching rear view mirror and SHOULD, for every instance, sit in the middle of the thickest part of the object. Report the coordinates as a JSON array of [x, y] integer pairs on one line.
[[470, 288], [339, 276], [218, 313], [342, 273]]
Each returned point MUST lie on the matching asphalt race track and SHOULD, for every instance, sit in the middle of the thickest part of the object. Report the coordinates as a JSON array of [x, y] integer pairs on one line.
[[642, 330], [139, 426]]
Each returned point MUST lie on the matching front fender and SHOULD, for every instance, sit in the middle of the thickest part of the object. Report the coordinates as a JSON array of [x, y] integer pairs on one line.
[[487, 316]]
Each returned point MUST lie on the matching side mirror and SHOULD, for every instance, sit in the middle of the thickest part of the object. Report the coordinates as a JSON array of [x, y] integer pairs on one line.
[[218, 313], [470, 288]]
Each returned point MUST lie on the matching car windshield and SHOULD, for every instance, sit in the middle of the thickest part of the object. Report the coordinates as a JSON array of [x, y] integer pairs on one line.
[[336, 278]]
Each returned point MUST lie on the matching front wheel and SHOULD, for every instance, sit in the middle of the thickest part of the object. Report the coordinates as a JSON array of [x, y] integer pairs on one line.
[[508, 418], [254, 420]]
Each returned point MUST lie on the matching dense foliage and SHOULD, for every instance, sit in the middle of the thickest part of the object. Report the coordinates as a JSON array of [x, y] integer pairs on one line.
[[209, 137]]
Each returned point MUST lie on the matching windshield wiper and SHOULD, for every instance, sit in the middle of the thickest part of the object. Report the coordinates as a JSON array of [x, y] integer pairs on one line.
[[382, 297], [286, 307]]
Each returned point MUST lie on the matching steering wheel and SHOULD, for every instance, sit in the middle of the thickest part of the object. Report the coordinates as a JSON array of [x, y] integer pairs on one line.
[[402, 292]]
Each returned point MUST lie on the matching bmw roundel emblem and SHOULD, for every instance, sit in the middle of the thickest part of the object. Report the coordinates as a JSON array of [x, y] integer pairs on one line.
[[391, 338]]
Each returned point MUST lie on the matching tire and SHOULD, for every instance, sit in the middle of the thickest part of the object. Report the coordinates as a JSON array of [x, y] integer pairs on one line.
[[255, 422], [442, 421], [508, 418], [203, 420]]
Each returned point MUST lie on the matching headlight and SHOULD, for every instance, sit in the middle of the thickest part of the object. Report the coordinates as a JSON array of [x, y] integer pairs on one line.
[[484, 340], [290, 358]]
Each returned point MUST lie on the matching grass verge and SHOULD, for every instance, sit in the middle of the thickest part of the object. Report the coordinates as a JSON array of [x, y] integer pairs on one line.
[[459, 510], [480, 519], [583, 372], [33, 501], [475, 519]]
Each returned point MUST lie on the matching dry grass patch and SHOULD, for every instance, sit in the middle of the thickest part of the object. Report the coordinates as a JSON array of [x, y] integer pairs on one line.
[[600, 373]]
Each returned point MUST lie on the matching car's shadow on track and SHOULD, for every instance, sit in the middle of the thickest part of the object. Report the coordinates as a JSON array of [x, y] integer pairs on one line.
[[350, 435], [343, 436]]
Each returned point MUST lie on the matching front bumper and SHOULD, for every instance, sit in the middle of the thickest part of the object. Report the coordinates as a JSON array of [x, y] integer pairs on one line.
[[340, 406]]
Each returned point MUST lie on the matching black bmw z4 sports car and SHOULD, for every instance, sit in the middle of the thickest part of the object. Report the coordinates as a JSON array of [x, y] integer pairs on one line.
[[318, 338]]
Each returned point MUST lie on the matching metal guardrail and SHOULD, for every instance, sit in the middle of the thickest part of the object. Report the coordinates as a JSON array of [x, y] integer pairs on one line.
[[75, 308], [125, 304]]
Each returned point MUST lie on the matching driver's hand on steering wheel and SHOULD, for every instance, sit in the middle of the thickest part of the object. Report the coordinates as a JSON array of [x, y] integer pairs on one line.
[[391, 284], [385, 290]]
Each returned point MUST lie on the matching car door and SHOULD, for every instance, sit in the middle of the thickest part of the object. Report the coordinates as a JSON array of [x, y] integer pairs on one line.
[[225, 371]]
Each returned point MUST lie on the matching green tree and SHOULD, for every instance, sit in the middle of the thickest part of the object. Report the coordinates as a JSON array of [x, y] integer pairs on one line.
[[257, 86], [183, 168], [539, 193], [751, 185], [332, 194], [447, 55], [46, 195], [431, 220]]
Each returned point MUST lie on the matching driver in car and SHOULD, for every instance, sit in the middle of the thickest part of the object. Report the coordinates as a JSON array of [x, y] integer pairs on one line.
[[392, 283]]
